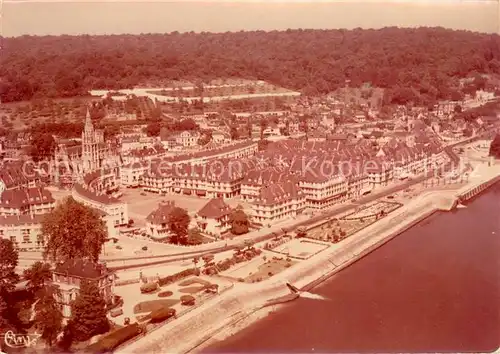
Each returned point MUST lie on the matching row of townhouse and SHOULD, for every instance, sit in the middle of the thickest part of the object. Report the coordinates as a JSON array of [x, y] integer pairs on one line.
[[94, 194], [152, 176], [217, 179], [21, 215], [19, 174], [25, 231], [27, 201], [278, 202], [144, 153], [274, 193]]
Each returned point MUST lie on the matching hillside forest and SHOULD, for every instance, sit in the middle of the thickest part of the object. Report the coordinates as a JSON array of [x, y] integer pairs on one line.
[[414, 65]]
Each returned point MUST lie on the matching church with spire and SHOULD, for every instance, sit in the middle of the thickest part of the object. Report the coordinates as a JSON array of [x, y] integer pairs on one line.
[[94, 153], [92, 140]]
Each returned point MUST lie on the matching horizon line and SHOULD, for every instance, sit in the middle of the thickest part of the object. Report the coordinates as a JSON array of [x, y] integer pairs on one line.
[[261, 2]]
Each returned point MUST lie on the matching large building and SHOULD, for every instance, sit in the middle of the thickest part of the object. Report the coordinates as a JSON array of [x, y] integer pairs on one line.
[[69, 275], [27, 201], [23, 230], [214, 217], [71, 163], [157, 222], [278, 202]]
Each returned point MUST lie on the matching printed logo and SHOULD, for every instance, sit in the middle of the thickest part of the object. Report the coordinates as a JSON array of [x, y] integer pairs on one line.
[[13, 340]]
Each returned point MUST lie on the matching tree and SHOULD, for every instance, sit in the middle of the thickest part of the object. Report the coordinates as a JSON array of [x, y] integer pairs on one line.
[[263, 126], [43, 146], [4, 323], [178, 222], [73, 230], [110, 131], [249, 127], [263, 144], [88, 312], [48, 316], [37, 275], [194, 237], [234, 133], [495, 147], [301, 232], [153, 129], [8, 263], [196, 260], [239, 222]]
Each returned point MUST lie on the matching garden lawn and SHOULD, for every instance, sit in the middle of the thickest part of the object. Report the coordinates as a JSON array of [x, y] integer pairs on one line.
[[268, 269]]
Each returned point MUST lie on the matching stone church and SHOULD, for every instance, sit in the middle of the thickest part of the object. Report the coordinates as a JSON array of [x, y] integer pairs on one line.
[[94, 153]]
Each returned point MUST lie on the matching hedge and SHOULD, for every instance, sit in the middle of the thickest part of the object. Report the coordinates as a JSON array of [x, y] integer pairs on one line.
[[112, 340], [162, 314], [178, 276], [187, 300], [149, 287]]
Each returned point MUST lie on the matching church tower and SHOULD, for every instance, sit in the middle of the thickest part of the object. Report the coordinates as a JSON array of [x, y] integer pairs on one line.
[[90, 146]]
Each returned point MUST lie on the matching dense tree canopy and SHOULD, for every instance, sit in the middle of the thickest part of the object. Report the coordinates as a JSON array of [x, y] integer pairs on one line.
[[37, 275], [48, 317], [8, 263], [88, 313], [178, 222], [239, 222], [495, 147], [416, 64], [73, 230], [8, 279]]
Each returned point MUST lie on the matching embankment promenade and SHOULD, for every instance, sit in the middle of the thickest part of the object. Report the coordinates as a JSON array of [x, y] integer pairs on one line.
[[190, 333]]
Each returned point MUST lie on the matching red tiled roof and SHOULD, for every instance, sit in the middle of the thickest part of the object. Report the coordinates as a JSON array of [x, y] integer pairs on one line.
[[161, 214], [214, 209], [82, 268], [280, 193], [17, 173], [12, 220], [21, 198], [88, 193]]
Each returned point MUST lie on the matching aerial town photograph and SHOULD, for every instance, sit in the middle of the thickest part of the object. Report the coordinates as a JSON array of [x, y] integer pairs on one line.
[[249, 177]]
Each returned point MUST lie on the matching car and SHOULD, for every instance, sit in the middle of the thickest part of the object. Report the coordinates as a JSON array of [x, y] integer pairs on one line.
[[390, 197]]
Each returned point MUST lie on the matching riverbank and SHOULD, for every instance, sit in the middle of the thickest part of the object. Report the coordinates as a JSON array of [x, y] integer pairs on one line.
[[229, 312]]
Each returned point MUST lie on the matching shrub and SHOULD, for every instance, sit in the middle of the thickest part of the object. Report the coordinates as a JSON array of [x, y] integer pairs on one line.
[[112, 340], [148, 288], [165, 294], [162, 314], [178, 276], [187, 300]]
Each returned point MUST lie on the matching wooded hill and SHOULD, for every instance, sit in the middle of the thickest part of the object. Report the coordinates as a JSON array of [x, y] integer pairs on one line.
[[419, 65]]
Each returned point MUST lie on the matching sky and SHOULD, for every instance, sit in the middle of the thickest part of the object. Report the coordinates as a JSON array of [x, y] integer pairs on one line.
[[58, 17]]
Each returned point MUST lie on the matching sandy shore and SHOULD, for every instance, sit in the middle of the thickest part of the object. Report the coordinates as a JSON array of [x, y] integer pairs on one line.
[[230, 312]]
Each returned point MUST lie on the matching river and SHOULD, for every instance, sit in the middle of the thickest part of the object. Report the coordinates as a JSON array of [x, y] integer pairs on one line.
[[434, 288]]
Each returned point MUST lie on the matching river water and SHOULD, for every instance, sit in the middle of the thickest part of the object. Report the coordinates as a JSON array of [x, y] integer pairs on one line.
[[434, 288]]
